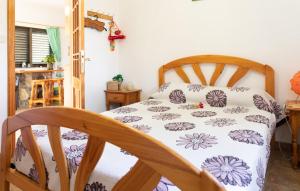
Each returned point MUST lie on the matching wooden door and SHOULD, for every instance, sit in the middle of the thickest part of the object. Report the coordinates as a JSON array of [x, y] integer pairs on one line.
[[77, 53]]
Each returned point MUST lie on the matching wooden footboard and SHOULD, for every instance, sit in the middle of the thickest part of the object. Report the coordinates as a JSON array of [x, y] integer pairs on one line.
[[146, 173]]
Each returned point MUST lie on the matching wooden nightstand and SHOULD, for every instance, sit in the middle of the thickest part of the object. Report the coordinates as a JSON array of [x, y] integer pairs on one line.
[[122, 97], [294, 112]]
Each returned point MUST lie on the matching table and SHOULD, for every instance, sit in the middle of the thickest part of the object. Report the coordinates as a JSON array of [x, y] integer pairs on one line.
[[122, 97], [294, 111]]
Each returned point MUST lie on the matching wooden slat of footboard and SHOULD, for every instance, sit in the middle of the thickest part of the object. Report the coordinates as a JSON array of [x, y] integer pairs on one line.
[[59, 156], [31, 145], [185, 180], [6, 149], [140, 177], [92, 154], [22, 181], [154, 155]]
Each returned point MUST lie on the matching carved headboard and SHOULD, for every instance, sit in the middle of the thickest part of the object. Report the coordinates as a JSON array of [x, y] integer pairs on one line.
[[243, 67]]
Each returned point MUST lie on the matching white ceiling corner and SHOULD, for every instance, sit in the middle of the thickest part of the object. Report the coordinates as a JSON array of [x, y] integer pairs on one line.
[[55, 3]]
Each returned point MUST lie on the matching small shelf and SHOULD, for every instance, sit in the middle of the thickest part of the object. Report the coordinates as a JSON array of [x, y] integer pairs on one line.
[[28, 71]]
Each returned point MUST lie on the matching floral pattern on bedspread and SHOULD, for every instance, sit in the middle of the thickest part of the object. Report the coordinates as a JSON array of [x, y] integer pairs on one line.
[[218, 138]]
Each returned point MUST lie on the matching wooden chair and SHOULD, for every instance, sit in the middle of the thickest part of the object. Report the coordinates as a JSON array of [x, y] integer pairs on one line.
[[155, 159], [50, 89], [34, 99]]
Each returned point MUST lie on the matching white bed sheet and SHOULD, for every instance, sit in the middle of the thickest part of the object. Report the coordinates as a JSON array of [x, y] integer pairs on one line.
[[231, 142]]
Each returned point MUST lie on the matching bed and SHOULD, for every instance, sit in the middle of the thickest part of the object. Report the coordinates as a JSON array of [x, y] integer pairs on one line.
[[186, 136]]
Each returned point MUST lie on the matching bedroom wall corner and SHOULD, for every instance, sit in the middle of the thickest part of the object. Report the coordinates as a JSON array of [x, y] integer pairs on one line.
[[3, 62], [161, 31]]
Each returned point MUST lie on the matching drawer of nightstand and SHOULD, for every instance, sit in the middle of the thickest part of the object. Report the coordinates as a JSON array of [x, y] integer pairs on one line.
[[116, 98], [134, 97]]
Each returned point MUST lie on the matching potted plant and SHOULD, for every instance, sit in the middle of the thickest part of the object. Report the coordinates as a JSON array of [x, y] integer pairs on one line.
[[50, 60], [118, 78]]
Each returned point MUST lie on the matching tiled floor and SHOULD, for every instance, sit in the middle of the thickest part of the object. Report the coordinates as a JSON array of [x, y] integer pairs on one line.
[[280, 175]]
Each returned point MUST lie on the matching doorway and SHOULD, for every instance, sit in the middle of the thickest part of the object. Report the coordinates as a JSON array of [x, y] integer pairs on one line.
[[32, 51]]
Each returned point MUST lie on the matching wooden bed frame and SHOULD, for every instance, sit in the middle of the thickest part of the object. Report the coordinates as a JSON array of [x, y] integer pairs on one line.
[[148, 170], [244, 66], [146, 173]]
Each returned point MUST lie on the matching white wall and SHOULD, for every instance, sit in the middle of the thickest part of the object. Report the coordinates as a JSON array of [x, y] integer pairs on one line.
[[39, 13], [104, 64], [3, 62], [158, 31]]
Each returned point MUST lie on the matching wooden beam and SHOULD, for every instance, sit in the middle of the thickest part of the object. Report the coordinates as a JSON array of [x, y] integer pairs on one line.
[[11, 57], [100, 15]]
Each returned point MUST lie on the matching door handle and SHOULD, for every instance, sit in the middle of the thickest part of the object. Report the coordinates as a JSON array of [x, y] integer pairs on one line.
[[82, 61], [88, 59]]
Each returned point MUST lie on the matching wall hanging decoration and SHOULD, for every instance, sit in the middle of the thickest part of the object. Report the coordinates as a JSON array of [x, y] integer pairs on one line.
[[93, 20], [94, 24], [114, 32]]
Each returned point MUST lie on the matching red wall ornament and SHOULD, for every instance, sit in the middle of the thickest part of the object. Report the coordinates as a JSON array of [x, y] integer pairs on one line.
[[114, 34]]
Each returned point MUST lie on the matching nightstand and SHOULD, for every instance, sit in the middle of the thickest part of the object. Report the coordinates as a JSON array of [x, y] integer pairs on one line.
[[122, 97], [294, 112]]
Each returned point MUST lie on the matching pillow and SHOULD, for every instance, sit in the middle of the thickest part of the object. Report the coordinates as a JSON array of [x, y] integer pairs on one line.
[[180, 93]]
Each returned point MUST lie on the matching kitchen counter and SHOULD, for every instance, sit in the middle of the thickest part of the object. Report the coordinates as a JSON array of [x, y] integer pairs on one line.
[[35, 70]]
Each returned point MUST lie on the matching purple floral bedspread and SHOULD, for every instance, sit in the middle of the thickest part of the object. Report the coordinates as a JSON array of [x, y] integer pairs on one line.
[[229, 137]]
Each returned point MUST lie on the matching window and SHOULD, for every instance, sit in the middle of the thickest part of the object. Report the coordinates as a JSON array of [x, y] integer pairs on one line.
[[22, 45], [31, 45]]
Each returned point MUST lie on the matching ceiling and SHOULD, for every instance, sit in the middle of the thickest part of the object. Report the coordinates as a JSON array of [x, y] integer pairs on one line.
[[56, 3]]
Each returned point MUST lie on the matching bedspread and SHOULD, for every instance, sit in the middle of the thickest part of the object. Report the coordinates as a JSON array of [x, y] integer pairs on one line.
[[231, 141]]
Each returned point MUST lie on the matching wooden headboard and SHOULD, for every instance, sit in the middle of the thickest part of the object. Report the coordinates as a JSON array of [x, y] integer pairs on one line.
[[244, 66]]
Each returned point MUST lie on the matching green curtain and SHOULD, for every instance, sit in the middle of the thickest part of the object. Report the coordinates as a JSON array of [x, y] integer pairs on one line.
[[54, 39]]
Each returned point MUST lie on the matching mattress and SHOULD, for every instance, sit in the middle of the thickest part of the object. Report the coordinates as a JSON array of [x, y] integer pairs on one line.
[[225, 131]]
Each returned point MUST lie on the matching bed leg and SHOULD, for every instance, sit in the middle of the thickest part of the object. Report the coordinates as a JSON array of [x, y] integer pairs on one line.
[[4, 185], [273, 143]]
